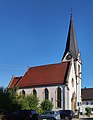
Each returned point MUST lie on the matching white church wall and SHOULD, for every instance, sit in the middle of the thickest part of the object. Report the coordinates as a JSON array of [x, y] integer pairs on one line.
[[78, 76], [71, 88], [41, 94]]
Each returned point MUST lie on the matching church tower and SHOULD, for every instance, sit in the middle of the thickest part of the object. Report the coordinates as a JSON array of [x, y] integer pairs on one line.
[[72, 53]]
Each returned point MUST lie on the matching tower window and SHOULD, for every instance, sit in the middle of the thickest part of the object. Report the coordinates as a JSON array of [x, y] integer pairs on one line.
[[72, 82], [52, 99], [79, 70]]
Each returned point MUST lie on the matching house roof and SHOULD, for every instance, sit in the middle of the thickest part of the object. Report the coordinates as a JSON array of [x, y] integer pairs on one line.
[[87, 94], [51, 74], [71, 45], [14, 81]]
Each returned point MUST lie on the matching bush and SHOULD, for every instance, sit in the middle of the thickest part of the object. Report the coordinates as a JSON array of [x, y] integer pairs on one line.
[[88, 111], [28, 102], [46, 105]]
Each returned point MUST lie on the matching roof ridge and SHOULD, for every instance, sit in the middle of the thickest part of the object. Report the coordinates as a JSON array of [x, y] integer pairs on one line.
[[48, 64]]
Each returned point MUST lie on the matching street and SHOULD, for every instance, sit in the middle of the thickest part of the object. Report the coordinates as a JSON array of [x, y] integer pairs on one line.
[[82, 119]]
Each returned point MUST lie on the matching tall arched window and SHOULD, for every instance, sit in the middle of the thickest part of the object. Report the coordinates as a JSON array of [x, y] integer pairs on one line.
[[34, 92], [59, 97], [46, 94]]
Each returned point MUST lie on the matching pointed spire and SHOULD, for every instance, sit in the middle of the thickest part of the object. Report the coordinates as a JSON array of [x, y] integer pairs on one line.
[[71, 12], [71, 45]]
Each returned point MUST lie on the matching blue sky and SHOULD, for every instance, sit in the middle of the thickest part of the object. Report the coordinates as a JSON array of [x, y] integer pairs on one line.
[[34, 32]]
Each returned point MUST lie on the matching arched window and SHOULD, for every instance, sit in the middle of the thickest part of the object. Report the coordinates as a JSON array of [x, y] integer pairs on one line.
[[59, 97], [34, 92], [23, 92], [46, 94]]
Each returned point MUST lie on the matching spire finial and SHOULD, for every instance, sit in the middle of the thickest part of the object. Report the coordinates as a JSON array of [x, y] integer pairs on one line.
[[71, 12]]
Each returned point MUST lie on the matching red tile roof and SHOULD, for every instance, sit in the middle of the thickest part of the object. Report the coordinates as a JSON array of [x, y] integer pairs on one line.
[[87, 94], [14, 81], [44, 75]]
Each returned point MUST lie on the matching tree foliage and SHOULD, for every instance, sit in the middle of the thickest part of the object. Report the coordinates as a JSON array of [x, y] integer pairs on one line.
[[11, 101], [88, 111], [7, 100], [46, 105], [28, 102]]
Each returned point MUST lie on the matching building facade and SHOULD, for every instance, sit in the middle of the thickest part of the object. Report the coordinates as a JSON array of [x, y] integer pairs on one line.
[[87, 99], [60, 83]]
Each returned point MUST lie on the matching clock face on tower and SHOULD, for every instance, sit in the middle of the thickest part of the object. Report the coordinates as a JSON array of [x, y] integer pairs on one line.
[[69, 56]]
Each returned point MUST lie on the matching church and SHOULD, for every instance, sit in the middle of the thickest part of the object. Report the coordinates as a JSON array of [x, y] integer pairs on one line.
[[59, 82]]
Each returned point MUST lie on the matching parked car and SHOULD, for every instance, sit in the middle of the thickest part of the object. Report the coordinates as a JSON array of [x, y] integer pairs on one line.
[[46, 117], [22, 115], [54, 115], [66, 114]]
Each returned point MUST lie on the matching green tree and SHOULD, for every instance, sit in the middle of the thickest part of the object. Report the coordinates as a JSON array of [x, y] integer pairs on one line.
[[8, 101], [88, 111], [46, 105], [13, 96], [28, 102], [11, 101], [2, 100]]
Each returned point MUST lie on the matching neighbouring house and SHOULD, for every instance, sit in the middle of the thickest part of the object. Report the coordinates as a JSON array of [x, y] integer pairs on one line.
[[87, 99], [58, 82]]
